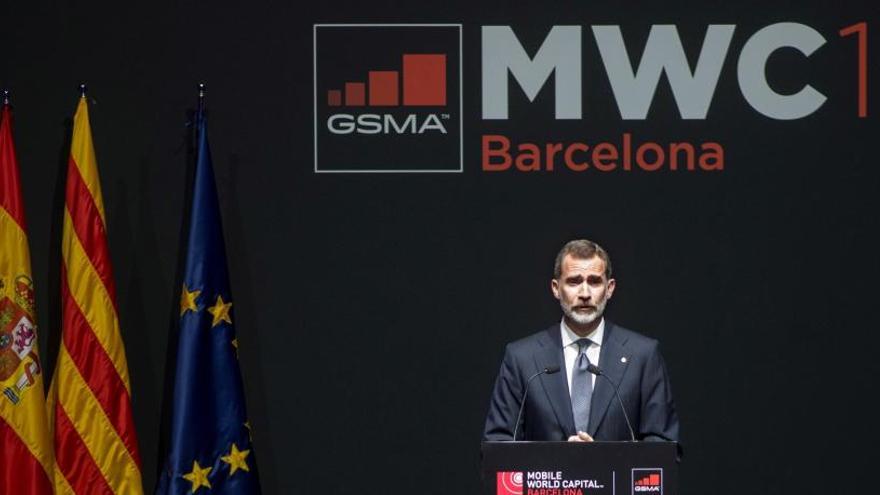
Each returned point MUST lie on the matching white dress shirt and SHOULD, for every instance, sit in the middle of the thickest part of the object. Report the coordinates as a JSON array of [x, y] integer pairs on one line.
[[570, 348]]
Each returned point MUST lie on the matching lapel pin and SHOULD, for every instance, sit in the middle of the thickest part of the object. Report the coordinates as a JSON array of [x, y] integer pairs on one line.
[[623, 360]]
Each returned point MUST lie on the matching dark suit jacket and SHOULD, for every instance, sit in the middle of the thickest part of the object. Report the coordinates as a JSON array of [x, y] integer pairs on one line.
[[644, 390]]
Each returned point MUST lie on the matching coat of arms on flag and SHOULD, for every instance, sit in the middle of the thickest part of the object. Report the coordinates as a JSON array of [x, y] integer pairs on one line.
[[18, 364]]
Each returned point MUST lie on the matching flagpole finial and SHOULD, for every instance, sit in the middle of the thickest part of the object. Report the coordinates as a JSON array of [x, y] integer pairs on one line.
[[82, 90], [201, 91], [6, 97]]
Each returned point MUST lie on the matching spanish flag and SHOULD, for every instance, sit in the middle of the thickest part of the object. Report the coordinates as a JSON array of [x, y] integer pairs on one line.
[[96, 448], [25, 446]]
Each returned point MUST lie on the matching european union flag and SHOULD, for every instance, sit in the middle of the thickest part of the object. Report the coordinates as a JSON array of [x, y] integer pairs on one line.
[[210, 448]]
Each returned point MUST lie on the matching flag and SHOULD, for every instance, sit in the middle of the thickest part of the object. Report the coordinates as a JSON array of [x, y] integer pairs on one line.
[[25, 445], [96, 449], [210, 448]]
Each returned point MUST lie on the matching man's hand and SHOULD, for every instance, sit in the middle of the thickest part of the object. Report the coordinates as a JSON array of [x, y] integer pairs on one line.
[[582, 436]]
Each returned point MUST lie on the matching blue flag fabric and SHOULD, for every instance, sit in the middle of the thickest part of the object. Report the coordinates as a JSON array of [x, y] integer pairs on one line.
[[210, 450]]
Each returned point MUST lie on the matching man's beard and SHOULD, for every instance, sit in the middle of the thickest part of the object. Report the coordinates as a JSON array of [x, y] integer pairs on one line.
[[583, 318]]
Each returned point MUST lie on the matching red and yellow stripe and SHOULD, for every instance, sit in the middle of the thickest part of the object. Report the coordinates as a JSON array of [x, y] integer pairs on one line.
[[96, 447], [25, 445]]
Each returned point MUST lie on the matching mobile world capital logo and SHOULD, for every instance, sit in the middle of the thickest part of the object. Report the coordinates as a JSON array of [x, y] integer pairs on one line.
[[509, 483], [387, 98]]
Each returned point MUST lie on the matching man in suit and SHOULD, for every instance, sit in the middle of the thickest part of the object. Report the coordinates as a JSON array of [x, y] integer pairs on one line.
[[574, 404]]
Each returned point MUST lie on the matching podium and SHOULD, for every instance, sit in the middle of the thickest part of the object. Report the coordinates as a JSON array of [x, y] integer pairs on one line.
[[578, 468]]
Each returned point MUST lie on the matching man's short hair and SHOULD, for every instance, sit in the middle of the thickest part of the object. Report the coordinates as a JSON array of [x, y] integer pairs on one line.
[[581, 249]]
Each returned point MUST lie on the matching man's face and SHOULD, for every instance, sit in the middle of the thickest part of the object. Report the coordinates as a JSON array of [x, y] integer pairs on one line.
[[582, 289]]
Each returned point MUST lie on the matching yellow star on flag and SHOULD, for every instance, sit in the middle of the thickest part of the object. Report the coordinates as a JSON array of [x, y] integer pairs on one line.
[[198, 477], [235, 459], [188, 300], [220, 310]]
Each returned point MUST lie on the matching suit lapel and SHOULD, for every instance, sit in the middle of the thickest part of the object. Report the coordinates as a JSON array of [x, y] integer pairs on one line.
[[614, 367], [555, 385]]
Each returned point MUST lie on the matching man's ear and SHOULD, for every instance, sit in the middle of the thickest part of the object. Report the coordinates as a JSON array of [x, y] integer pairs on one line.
[[554, 287], [610, 290]]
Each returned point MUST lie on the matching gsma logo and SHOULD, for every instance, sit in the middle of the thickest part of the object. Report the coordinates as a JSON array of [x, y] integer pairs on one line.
[[387, 98], [647, 481], [509, 483]]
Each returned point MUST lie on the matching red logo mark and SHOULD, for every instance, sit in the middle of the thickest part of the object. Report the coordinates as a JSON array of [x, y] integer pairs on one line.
[[424, 85], [651, 482], [509, 483]]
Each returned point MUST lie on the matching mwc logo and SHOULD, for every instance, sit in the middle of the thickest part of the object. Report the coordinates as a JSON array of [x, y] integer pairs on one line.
[[634, 85], [509, 483], [388, 98]]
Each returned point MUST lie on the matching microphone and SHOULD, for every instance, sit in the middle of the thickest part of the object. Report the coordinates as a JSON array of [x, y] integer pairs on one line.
[[547, 370], [592, 368]]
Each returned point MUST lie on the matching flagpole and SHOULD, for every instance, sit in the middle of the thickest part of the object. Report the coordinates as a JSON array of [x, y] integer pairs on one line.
[[201, 106], [82, 90]]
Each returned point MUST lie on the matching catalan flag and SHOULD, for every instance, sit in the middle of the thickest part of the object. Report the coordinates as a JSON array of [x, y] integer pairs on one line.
[[96, 449], [25, 445], [210, 448]]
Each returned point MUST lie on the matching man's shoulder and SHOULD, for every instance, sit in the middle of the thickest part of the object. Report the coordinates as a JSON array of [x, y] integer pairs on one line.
[[540, 339], [629, 337]]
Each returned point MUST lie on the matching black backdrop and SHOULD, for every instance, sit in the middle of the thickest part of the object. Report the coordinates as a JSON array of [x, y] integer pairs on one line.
[[372, 309]]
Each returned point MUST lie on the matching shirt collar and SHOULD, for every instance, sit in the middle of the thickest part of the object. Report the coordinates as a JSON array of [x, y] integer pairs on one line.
[[569, 337]]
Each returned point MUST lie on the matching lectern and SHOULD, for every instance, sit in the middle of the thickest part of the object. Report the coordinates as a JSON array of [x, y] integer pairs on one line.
[[578, 468]]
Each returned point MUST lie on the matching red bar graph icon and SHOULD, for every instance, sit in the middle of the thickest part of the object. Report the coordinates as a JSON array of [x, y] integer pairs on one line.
[[424, 84], [650, 480]]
